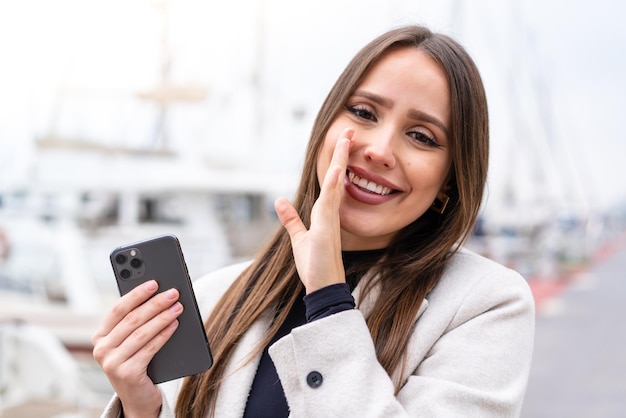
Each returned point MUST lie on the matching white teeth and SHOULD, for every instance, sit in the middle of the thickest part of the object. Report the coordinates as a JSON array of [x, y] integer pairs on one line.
[[368, 185], [371, 187]]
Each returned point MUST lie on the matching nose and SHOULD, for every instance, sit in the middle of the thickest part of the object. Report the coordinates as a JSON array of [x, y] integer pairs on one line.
[[378, 149]]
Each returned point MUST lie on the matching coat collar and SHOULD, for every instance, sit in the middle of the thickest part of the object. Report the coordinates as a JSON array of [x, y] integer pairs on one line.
[[366, 304], [234, 390], [240, 372]]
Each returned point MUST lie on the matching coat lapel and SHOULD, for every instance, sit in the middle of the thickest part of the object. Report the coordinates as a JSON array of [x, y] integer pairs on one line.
[[366, 304], [239, 375], [234, 390]]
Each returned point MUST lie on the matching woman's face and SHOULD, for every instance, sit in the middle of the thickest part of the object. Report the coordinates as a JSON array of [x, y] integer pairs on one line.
[[400, 155]]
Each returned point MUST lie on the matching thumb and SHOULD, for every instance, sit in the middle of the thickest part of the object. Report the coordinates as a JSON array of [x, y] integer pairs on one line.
[[289, 217]]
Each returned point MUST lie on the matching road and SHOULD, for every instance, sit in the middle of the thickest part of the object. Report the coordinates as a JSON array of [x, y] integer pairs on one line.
[[579, 366]]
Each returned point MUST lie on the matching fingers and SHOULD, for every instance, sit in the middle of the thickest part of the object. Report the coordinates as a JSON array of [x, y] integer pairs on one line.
[[338, 164], [129, 361], [317, 251], [288, 216], [147, 319], [327, 206], [332, 184], [136, 329], [125, 305]]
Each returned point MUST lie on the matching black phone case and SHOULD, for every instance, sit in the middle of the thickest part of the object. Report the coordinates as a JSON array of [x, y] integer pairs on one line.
[[187, 352]]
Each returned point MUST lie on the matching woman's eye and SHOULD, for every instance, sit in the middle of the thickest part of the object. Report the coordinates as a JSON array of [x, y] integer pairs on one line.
[[361, 112], [424, 139]]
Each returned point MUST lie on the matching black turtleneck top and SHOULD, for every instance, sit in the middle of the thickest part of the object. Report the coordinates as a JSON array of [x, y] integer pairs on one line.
[[266, 398]]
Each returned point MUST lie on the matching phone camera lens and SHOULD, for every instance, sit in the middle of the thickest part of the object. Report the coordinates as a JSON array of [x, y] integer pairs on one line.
[[125, 273], [135, 262], [120, 259]]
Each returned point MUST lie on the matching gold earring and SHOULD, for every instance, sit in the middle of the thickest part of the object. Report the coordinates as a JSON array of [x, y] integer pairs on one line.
[[440, 203]]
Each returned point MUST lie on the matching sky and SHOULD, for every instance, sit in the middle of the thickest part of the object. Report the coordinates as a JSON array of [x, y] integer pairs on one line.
[[553, 71]]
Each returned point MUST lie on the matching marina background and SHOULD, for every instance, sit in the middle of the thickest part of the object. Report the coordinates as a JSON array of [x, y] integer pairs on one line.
[[121, 120]]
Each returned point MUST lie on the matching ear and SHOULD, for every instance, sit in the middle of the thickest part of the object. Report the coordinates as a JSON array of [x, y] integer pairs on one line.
[[443, 196], [449, 183], [440, 203]]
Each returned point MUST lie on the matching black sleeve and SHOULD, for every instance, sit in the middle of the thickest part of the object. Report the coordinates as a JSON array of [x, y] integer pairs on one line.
[[327, 301]]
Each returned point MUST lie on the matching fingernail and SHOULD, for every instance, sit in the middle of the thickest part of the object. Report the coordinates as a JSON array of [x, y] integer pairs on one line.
[[177, 307], [171, 294], [150, 286]]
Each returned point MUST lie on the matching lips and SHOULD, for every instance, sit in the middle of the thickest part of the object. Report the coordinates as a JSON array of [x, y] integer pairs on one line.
[[368, 185]]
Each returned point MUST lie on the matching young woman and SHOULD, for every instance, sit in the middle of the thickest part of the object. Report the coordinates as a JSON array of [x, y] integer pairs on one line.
[[364, 303]]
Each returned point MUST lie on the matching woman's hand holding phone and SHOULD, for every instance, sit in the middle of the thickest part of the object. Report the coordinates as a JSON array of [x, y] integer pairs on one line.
[[129, 337]]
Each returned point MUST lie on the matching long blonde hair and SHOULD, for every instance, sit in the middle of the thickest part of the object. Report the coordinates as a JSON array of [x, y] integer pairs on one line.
[[416, 257]]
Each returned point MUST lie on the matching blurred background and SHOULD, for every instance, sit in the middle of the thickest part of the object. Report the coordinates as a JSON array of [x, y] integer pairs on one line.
[[124, 119]]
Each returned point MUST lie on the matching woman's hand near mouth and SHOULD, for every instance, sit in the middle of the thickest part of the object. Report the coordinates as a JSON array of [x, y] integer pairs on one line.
[[317, 251]]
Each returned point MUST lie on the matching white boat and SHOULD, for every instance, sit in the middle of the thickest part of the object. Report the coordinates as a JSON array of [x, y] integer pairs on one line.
[[71, 205]]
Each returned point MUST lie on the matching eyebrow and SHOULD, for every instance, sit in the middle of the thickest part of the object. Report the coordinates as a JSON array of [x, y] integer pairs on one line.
[[413, 113]]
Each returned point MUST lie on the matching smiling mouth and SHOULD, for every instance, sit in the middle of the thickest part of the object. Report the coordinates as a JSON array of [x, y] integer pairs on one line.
[[367, 185]]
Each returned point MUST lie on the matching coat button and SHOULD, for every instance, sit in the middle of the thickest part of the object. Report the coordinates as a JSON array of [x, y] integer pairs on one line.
[[314, 379]]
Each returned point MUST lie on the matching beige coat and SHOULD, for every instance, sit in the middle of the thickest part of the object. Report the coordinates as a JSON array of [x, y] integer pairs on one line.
[[469, 355]]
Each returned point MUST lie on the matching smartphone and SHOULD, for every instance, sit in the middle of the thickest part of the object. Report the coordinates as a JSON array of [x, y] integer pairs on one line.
[[160, 258]]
